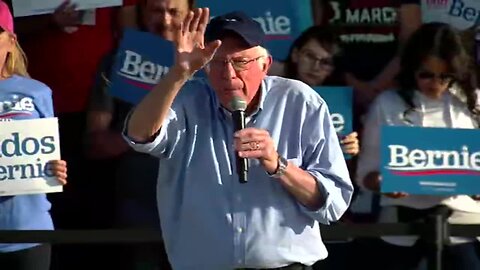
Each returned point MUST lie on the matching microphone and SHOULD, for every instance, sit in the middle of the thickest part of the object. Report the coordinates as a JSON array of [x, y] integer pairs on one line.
[[238, 107]]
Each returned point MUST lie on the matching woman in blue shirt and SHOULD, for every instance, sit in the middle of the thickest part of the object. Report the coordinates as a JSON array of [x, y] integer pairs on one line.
[[23, 98]]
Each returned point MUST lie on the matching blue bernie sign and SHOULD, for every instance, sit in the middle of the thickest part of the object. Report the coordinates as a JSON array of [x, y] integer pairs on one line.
[[282, 20], [433, 161], [142, 59], [340, 103]]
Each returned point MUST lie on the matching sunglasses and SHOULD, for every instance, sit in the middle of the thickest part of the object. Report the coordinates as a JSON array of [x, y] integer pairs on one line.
[[443, 77]]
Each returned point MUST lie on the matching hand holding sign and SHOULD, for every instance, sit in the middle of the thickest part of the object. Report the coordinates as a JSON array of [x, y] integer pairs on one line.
[[396, 195], [67, 15], [59, 170], [191, 52], [373, 180], [350, 144]]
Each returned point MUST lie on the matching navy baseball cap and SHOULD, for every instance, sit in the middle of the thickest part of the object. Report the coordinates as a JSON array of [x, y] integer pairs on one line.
[[236, 22]]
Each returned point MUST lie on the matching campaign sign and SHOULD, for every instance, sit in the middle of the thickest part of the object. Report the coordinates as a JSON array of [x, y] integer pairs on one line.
[[433, 161], [142, 59], [340, 101], [460, 14], [36, 7], [26, 147], [282, 20]]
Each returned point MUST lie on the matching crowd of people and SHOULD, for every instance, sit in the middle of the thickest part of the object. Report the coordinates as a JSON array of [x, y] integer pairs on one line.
[[169, 162]]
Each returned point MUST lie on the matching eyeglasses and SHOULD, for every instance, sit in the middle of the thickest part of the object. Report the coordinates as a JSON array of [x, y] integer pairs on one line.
[[312, 60], [237, 64], [443, 77]]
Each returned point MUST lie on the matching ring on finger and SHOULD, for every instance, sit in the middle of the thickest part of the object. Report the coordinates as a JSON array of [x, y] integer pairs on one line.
[[254, 146]]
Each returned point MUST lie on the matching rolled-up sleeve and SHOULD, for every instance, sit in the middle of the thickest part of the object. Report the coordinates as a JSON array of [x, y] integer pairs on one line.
[[324, 160], [165, 141], [181, 117]]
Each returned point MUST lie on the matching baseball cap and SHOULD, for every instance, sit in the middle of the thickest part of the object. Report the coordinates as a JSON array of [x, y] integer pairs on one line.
[[6, 18], [236, 22]]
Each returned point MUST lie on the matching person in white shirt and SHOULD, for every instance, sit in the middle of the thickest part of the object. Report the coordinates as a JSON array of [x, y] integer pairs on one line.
[[435, 90]]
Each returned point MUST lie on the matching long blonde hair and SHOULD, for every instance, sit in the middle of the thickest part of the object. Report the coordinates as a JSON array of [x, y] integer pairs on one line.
[[16, 62]]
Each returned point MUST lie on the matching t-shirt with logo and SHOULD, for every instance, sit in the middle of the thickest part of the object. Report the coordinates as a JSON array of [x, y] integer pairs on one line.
[[368, 31], [23, 98]]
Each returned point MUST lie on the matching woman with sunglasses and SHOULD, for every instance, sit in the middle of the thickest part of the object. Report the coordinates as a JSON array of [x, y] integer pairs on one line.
[[311, 60], [435, 90]]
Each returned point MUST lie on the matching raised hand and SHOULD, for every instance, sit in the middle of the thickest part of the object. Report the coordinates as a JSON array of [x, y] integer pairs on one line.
[[191, 52]]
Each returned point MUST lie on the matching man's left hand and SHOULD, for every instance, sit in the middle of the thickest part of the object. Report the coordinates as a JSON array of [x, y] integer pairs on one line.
[[257, 143]]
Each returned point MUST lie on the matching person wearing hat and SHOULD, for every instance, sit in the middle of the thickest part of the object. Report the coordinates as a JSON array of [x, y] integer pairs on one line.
[[23, 212], [297, 176]]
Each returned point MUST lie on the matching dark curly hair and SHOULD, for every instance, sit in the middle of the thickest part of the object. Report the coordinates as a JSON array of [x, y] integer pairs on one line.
[[324, 35], [442, 41]]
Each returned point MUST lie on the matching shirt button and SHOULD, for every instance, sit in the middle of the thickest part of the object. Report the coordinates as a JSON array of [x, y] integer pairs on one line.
[[239, 230]]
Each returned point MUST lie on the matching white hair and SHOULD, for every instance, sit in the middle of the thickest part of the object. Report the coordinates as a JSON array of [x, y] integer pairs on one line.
[[262, 51], [264, 54]]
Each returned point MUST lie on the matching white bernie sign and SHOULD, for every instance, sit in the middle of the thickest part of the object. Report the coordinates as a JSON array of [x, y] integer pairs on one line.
[[26, 147]]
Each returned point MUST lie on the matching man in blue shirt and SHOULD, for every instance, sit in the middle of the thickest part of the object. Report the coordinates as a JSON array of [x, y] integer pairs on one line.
[[297, 173]]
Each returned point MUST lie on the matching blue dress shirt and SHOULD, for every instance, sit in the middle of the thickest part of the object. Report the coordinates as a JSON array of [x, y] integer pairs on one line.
[[209, 220]]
